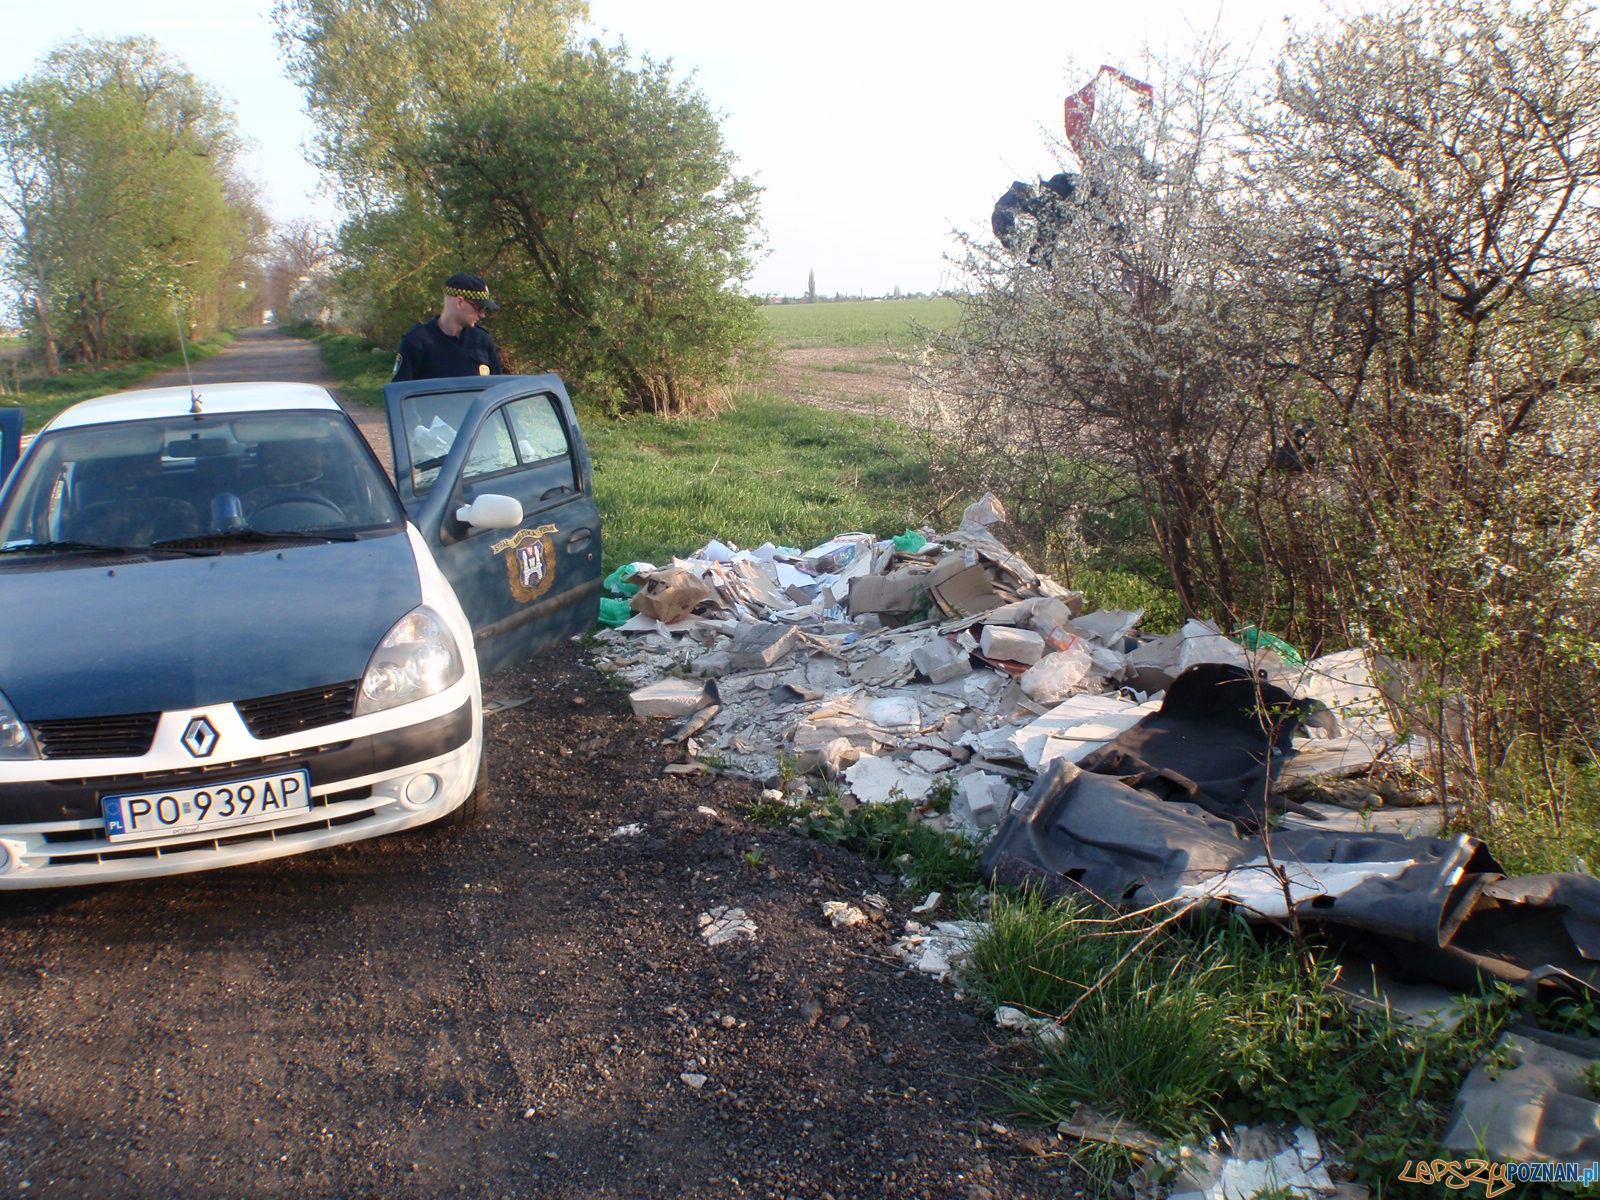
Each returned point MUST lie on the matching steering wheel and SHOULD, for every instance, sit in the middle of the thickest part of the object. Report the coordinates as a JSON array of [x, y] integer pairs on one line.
[[297, 510]]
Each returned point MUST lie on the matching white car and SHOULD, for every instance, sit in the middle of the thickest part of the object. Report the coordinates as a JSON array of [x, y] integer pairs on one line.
[[226, 635]]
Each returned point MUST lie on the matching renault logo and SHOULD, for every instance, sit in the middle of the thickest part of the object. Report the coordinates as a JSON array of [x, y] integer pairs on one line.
[[199, 737]]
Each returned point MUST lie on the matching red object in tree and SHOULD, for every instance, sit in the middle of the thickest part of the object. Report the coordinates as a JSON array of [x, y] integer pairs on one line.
[[1079, 108]]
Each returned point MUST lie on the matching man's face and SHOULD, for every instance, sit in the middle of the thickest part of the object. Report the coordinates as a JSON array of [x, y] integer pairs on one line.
[[468, 312]]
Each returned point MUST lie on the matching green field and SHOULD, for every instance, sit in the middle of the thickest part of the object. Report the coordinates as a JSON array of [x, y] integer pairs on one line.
[[859, 324]]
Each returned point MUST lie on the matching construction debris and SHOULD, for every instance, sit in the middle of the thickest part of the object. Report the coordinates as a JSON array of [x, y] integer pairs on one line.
[[936, 665]]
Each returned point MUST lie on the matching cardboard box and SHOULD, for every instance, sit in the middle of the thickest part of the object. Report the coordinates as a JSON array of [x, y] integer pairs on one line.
[[897, 593], [966, 593], [669, 594]]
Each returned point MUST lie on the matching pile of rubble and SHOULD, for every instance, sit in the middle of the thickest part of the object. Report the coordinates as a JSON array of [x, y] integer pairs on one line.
[[944, 667], [892, 665]]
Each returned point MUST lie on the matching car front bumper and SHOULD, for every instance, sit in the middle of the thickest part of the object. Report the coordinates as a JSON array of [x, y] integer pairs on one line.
[[369, 776]]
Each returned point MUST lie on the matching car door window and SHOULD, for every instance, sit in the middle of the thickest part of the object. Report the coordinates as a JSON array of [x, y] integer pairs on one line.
[[538, 429], [492, 450]]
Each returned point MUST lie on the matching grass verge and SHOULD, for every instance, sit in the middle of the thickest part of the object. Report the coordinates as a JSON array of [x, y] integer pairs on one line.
[[769, 470], [43, 396]]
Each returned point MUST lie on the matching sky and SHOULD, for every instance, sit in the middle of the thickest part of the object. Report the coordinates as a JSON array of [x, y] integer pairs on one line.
[[876, 127]]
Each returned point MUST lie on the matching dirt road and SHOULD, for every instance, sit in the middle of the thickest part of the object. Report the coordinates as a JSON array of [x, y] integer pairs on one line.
[[526, 1009]]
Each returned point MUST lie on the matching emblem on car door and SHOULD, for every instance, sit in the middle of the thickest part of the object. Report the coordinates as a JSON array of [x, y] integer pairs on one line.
[[199, 737], [530, 561]]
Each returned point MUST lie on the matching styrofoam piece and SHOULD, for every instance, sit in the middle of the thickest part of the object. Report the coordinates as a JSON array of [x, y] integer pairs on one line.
[[1011, 644], [894, 713], [1077, 727], [669, 698], [1107, 626]]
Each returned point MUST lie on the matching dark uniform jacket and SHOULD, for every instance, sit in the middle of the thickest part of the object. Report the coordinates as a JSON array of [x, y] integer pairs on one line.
[[427, 352]]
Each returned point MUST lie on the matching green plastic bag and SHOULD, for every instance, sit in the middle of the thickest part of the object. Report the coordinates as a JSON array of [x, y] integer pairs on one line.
[[1252, 638], [909, 542], [614, 580], [614, 612]]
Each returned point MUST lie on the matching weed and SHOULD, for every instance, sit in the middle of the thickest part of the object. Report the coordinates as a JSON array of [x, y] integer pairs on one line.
[[753, 858], [927, 859]]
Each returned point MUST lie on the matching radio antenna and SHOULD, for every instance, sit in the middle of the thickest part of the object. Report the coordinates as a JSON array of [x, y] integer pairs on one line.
[[183, 345]]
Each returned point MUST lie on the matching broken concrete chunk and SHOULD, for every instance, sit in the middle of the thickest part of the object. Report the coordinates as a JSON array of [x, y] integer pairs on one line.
[[761, 645], [670, 698], [724, 924], [983, 795], [1011, 644], [940, 661], [876, 780]]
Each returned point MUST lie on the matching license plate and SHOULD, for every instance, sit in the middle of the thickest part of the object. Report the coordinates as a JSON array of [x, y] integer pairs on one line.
[[202, 809]]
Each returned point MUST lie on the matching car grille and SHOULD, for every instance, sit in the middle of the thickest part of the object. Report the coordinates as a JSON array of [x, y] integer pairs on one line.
[[290, 712], [126, 736]]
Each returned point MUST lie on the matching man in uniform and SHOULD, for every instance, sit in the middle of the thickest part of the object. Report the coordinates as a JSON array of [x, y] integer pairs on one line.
[[451, 344]]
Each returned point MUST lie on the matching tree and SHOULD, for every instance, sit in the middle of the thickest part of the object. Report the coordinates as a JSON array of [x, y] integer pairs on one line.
[[1432, 181], [378, 73], [619, 223], [116, 170], [1106, 368], [811, 287], [1338, 347], [302, 252]]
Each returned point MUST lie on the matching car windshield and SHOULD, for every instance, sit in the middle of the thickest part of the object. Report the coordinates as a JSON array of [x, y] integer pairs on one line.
[[213, 479]]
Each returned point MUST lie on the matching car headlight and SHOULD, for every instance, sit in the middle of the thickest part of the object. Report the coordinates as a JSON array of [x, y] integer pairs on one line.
[[416, 659], [15, 739]]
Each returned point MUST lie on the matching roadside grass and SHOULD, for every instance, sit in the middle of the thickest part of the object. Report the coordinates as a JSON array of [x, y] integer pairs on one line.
[[859, 324], [770, 470], [1186, 1026], [43, 396]]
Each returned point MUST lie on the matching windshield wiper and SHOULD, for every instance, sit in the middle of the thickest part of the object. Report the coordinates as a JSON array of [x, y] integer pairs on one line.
[[234, 537], [69, 548]]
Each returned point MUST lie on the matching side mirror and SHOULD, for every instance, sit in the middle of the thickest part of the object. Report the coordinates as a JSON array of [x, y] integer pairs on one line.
[[491, 512]]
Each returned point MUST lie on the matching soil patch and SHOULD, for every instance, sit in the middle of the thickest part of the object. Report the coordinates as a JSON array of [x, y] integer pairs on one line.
[[872, 383]]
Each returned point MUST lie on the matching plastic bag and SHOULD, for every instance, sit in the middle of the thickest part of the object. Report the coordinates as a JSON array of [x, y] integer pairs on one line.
[[1053, 677], [909, 542], [614, 581], [614, 612]]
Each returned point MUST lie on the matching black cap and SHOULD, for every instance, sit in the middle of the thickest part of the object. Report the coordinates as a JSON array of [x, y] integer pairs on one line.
[[470, 287]]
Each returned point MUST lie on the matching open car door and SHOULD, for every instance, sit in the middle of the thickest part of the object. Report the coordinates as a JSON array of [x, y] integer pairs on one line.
[[10, 440], [507, 435]]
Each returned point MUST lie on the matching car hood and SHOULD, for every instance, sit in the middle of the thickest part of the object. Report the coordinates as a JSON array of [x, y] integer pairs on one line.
[[84, 637]]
